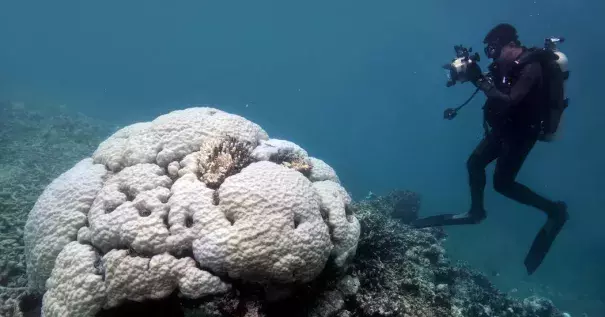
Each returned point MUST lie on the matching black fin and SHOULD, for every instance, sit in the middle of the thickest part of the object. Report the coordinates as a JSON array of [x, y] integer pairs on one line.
[[445, 220], [543, 241]]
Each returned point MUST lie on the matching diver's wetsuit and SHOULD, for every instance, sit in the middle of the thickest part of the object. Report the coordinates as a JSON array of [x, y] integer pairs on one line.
[[513, 116]]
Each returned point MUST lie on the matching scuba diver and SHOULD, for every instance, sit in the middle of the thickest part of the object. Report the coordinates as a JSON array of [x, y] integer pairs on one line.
[[525, 100]]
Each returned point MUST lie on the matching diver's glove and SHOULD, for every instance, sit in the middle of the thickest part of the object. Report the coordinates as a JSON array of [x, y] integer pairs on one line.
[[484, 83]]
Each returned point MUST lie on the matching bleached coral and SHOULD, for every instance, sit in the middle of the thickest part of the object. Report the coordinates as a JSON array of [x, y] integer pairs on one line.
[[321, 171], [130, 210], [193, 213], [76, 286], [139, 278], [277, 150], [284, 152], [344, 226], [178, 203], [276, 226], [57, 216], [172, 136], [82, 282]]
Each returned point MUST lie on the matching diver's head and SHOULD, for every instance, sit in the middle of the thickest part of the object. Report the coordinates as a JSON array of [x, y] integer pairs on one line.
[[502, 39]]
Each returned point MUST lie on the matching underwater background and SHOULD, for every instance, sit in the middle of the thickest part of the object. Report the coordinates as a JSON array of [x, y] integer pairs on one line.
[[360, 83]]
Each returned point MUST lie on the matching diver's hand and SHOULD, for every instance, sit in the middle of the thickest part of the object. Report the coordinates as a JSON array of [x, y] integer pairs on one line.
[[473, 72], [484, 83]]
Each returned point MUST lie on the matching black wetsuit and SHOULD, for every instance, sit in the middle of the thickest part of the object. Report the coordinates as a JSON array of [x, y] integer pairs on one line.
[[513, 114]]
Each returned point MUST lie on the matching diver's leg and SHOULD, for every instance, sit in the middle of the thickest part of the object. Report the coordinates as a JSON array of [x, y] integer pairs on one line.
[[484, 153], [513, 155]]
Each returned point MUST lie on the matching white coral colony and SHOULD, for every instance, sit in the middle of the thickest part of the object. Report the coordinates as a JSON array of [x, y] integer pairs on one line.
[[187, 201]]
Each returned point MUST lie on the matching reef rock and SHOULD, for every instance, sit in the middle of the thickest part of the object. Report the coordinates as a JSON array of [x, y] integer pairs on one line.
[[404, 271]]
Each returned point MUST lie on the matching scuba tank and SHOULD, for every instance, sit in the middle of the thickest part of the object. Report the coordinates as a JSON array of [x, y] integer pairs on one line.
[[555, 73], [557, 101]]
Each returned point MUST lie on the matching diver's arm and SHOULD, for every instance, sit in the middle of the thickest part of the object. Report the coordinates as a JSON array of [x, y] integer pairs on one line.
[[530, 74]]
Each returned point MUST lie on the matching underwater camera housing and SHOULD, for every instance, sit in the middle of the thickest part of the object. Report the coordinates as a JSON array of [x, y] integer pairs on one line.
[[456, 70]]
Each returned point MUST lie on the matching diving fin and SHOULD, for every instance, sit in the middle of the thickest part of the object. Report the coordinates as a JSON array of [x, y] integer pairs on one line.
[[447, 220], [544, 239]]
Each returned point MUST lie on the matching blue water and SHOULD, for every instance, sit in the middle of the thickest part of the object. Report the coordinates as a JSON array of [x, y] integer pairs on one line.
[[356, 83]]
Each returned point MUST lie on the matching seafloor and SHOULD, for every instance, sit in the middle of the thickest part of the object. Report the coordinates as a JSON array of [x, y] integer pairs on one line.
[[398, 271]]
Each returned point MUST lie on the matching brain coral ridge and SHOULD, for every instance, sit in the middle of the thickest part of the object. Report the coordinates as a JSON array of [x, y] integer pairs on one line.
[[188, 201]]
